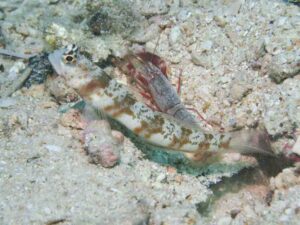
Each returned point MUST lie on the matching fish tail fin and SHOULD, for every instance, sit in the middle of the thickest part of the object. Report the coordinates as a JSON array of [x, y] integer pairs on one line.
[[251, 142]]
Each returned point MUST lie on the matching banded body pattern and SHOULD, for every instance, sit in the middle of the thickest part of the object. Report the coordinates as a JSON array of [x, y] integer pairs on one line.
[[115, 100], [105, 93]]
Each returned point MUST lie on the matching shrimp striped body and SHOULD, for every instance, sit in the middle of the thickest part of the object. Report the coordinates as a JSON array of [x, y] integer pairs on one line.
[[142, 70], [105, 93]]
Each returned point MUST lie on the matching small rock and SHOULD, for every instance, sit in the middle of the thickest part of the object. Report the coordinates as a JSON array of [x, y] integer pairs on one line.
[[256, 65], [72, 119], [206, 45], [15, 70], [220, 21], [53, 148], [198, 59], [183, 15], [118, 136], [175, 35], [101, 23], [238, 91], [40, 70], [284, 65], [101, 146], [116, 18], [154, 7], [144, 35], [7, 102], [57, 35], [275, 117], [287, 178], [234, 213]]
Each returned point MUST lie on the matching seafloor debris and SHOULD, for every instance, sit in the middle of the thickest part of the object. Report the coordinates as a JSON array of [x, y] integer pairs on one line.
[[287, 178], [100, 23], [72, 119], [14, 84], [101, 144], [36, 72], [285, 65], [114, 18], [40, 70]]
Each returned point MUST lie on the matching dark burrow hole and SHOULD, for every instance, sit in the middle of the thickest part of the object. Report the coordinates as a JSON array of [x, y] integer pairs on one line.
[[268, 167]]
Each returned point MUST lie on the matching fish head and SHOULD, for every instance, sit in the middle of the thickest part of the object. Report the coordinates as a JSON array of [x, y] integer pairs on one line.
[[71, 65], [64, 60], [69, 61]]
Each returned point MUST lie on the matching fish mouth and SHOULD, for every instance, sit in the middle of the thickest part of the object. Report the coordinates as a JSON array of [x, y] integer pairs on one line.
[[55, 60]]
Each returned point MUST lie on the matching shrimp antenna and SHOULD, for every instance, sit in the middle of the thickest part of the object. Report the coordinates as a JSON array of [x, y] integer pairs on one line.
[[155, 48], [157, 42]]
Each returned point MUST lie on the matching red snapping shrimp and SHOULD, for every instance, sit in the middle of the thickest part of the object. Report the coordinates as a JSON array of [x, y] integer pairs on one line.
[[136, 77], [148, 72]]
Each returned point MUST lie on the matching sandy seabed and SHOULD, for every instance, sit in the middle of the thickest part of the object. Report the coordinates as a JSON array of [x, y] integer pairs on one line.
[[240, 64]]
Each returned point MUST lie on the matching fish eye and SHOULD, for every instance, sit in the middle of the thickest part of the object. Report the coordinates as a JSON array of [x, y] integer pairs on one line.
[[69, 59]]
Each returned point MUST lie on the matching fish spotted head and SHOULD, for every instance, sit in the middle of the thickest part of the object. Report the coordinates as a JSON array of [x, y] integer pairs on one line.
[[65, 60], [71, 65]]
